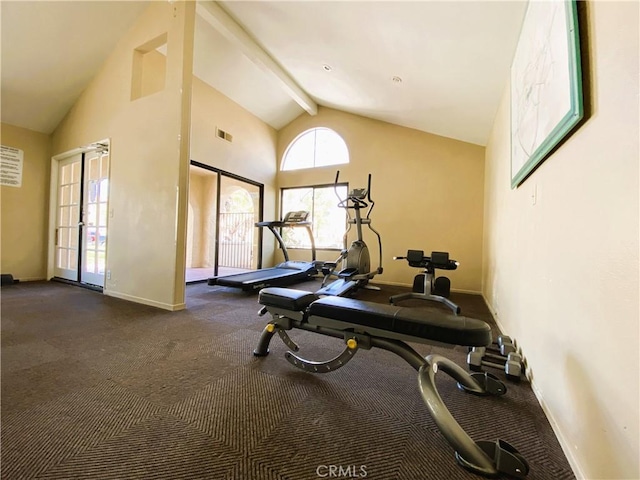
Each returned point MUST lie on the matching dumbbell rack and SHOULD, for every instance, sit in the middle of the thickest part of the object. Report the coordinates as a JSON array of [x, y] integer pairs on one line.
[[504, 357]]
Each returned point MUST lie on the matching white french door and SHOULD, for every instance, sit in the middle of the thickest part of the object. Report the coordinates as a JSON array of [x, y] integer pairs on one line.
[[94, 218], [68, 218], [81, 217]]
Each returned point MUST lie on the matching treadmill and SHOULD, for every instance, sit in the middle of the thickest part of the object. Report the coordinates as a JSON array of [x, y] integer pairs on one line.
[[283, 274]]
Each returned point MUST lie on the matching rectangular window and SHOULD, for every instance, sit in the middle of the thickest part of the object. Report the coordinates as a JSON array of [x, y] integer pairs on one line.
[[329, 220]]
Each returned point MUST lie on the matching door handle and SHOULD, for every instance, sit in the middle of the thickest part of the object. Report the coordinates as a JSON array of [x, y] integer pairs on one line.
[[81, 224]]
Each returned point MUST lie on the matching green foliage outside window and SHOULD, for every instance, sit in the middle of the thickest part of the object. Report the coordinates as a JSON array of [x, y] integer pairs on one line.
[[328, 219]]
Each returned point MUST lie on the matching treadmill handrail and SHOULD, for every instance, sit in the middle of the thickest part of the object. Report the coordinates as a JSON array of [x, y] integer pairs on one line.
[[272, 225]]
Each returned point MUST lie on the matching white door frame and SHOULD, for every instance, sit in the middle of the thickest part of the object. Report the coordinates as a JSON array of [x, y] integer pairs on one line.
[[53, 200]]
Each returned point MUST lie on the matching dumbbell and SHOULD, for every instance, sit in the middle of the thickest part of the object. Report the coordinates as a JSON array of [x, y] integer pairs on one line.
[[505, 345], [511, 364]]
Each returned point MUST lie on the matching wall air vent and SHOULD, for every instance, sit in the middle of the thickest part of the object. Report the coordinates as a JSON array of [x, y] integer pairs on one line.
[[224, 135]]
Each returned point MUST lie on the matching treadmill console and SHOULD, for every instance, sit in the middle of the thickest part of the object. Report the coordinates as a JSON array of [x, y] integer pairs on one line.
[[296, 217]]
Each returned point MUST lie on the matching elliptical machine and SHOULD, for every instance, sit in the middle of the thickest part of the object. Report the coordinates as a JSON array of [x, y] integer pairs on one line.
[[355, 261]]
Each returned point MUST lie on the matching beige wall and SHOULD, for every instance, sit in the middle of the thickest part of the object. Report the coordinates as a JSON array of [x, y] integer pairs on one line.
[[562, 275], [201, 231], [428, 192], [24, 209], [251, 154], [149, 158]]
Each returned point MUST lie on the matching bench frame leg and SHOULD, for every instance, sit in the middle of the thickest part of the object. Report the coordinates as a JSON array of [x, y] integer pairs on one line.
[[474, 456], [262, 350], [450, 428]]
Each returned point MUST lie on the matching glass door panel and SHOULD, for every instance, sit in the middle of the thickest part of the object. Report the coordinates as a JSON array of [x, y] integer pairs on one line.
[[201, 224], [95, 216], [68, 218], [238, 237]]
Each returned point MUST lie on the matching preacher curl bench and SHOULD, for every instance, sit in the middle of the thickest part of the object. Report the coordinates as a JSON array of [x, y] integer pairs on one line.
[[365, 325]]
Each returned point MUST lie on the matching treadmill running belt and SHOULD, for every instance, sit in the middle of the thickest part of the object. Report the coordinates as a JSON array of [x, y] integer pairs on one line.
[[276, 276]]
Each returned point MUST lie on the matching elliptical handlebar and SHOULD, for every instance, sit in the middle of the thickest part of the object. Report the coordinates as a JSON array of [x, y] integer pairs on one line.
[[371, 202], [357, 203], [356, 197], [335, 188]]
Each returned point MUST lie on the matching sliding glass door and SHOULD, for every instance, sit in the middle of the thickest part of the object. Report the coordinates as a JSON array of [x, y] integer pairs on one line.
[[221, 234]]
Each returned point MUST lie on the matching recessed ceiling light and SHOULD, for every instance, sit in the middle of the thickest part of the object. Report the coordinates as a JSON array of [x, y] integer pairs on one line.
[[396, 79], [327, 67]]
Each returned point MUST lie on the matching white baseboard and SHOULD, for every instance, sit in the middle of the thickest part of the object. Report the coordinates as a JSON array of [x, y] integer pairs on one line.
[[400, 284], [29, 279], [146, 301], [470, 292], [564, 443]]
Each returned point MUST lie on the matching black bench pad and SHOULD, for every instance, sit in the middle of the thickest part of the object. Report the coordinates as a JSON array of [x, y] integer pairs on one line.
[[416, 324], [287, 298]]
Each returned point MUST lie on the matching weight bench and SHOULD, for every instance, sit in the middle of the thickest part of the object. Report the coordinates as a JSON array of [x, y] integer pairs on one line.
[[365, 325]]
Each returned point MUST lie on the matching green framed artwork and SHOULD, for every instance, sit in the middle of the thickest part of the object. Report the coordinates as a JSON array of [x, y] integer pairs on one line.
[[546, 84]]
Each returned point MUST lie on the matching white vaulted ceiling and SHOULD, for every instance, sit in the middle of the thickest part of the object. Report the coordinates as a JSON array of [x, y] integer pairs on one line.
[[453, 58], [50, 53]]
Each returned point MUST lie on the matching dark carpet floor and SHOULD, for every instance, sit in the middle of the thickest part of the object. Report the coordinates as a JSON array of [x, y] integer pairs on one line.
[[95, 387]]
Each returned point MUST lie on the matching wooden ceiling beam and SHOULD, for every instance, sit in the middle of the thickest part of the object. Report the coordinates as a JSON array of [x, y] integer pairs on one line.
[[219, 19]]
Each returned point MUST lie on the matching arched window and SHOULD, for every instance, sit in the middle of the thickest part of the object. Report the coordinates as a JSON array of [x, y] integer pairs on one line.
[[317, 147]]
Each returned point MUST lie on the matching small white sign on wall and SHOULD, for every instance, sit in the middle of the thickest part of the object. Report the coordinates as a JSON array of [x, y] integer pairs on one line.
[[11, 166]]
